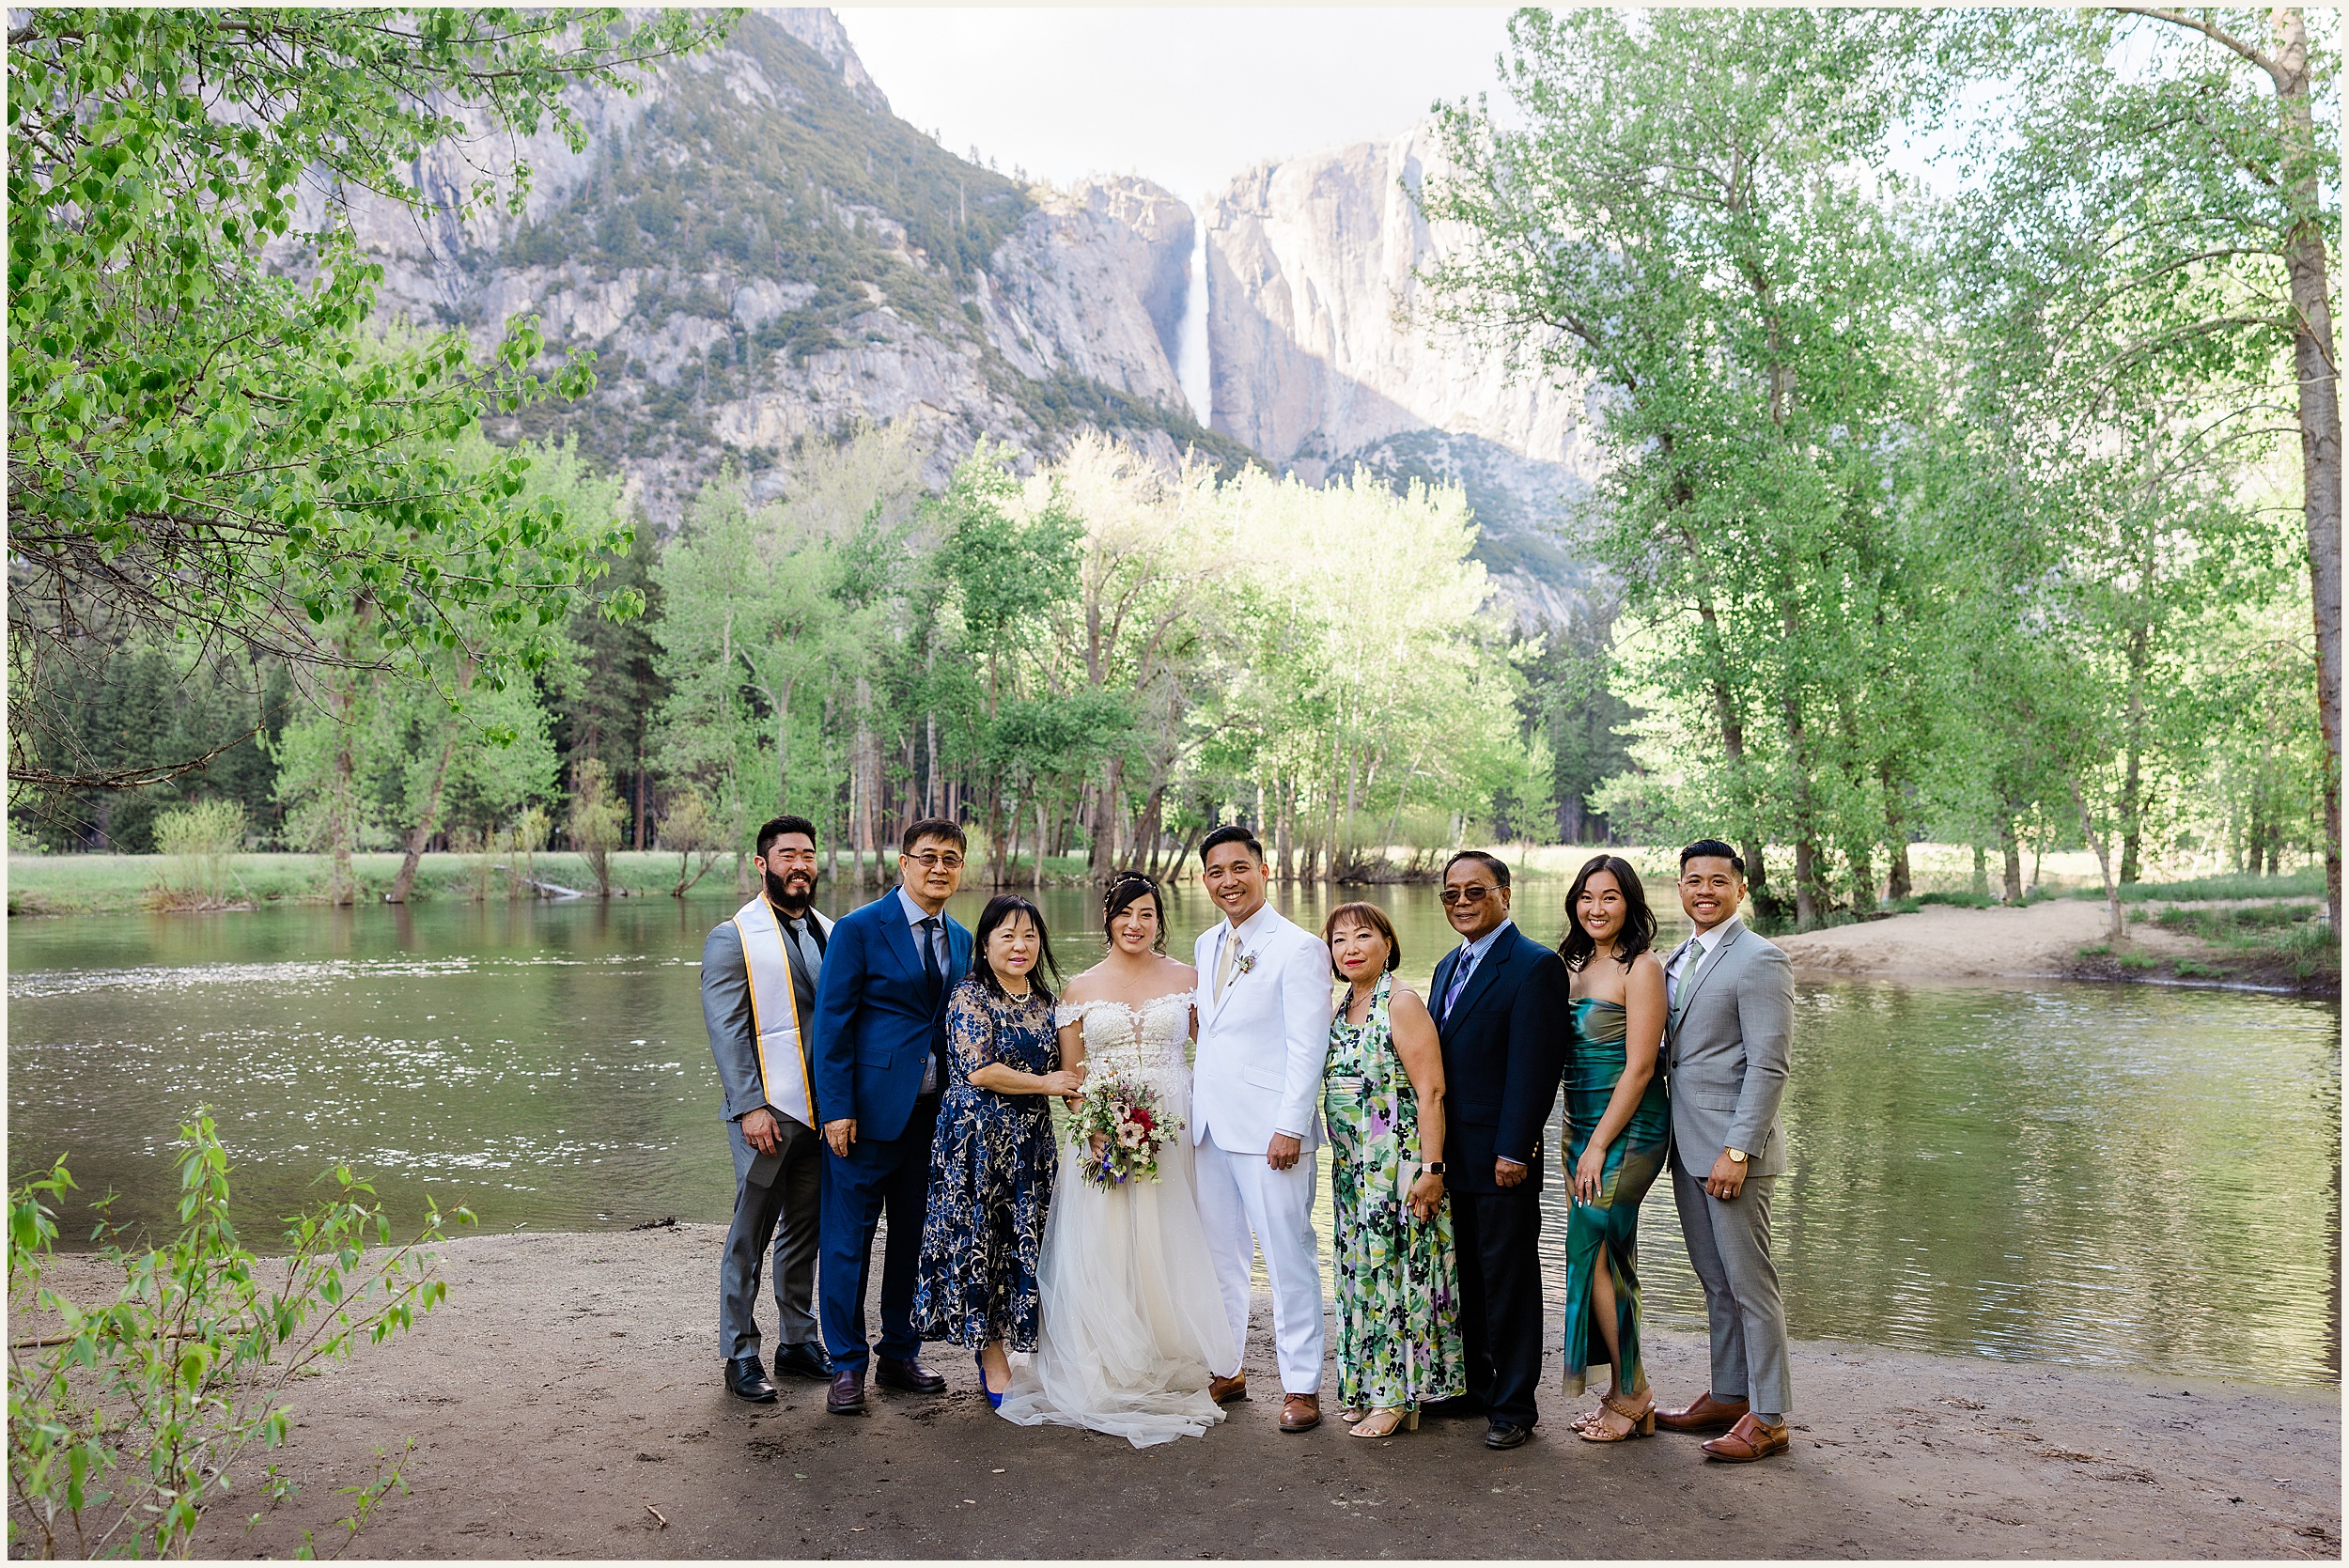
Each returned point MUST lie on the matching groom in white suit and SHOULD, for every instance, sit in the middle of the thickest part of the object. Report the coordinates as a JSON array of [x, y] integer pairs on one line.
[[1255, 1114]]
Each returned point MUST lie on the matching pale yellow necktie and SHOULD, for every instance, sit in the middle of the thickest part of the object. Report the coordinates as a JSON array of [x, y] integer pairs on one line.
[[1224, 964]]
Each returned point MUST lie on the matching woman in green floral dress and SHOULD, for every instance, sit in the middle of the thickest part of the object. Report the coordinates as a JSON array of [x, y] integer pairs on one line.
[[1398, 1281]]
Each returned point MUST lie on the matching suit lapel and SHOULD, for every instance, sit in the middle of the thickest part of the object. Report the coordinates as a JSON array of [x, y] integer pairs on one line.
[[900, 937], [1481, 978], [1707, 965]]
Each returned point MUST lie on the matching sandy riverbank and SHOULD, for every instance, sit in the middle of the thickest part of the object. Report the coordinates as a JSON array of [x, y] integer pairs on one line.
[[570, 1386], [2035, 942]]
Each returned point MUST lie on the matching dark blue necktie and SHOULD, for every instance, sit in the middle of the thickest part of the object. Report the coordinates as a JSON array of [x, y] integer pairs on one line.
[[930, 970], [1459, 982]]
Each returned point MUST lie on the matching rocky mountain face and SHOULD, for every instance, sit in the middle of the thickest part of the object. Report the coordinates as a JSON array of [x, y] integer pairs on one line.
[[1320, 363], [759, 251]]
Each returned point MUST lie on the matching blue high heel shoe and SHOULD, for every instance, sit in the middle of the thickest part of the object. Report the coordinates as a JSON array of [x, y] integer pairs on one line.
[[994, 1400]]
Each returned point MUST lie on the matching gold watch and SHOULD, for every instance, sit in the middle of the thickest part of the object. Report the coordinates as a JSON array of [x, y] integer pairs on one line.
[[1736, 1157]]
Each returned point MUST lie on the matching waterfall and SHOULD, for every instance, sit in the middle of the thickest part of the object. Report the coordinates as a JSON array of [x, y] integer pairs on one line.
[[1190, 338]]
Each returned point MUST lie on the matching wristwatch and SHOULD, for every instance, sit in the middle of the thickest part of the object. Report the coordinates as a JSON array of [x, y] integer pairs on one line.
[[1736, 1157], [1433, 1169]]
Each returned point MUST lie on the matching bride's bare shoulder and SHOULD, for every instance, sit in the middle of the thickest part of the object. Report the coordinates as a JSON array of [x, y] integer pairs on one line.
[[1175, 969], [1085, 986]]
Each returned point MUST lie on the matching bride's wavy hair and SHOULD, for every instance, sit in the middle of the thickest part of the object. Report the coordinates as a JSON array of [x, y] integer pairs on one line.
[[999, 908], [1638, 922], [1126, 890]]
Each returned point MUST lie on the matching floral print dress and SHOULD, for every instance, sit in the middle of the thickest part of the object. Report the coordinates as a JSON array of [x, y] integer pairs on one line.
[[991, 1167], [1398, 1279]]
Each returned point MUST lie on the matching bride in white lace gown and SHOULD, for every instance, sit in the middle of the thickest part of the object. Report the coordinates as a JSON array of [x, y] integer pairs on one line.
[[1133, 1322]]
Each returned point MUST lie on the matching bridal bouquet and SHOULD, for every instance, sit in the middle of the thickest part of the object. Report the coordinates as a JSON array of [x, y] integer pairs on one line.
[[1128, 1115]]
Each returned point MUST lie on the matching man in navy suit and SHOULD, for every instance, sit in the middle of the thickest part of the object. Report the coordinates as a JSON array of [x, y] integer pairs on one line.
[[880, 1067], [1501, 1005]]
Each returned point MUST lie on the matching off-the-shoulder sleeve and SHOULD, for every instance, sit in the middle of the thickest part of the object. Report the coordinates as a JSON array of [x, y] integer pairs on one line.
[[1069, 1013], [971, 1030]]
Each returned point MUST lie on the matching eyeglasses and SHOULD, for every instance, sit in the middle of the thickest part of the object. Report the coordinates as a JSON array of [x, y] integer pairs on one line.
[[930, 860], [1472, 894]]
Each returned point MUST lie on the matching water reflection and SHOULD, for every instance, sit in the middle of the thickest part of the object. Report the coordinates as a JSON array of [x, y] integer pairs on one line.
[[2130, 1177]]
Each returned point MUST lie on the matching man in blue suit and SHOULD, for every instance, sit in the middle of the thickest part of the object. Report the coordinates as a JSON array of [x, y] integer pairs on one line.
[[880, 1067], [1500, 1002]]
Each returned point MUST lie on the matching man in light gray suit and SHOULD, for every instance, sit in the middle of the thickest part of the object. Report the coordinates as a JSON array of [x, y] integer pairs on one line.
[[758, 1039], [1732, 999]]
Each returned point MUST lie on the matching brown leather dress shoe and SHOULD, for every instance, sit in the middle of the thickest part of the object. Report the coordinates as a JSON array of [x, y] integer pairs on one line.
[[1300, 1412], [1228, 1390], [1706, 1414], [1748, 1440], [845, 1397]]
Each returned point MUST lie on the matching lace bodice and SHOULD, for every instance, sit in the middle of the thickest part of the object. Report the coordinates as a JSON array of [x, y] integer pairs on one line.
[[1147, 1040]]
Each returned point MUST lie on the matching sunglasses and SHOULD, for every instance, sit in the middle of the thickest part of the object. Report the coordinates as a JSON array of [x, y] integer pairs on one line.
[[1470, 894], [929, 859]]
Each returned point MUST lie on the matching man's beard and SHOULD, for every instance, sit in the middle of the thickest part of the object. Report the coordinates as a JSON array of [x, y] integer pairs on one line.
[[793, 904]]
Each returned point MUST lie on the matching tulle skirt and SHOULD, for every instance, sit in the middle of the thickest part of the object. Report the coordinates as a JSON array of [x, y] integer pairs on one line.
[[1133, 1322]]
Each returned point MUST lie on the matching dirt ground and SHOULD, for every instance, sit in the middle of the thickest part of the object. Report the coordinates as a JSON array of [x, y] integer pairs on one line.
[[566, 1402], [2037, 940]]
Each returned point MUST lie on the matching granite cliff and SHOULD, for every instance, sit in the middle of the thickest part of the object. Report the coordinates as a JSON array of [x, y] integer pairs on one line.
[[1320, 363], [759, 250]]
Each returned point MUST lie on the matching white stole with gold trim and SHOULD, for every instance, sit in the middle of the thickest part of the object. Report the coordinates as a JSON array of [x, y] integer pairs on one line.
[[775, 1012]]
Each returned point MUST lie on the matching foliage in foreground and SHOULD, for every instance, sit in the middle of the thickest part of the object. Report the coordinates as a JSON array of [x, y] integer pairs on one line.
[[208, 438], [131, 1419]]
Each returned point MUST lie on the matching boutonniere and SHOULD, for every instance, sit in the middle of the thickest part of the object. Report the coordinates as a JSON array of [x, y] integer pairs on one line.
[[1242, 963]]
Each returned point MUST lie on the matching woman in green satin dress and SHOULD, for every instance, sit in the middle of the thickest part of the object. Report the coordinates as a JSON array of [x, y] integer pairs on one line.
[[1616, 1127]]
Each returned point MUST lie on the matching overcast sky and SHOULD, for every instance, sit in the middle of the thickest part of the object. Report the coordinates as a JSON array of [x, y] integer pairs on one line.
[[1187, 96]]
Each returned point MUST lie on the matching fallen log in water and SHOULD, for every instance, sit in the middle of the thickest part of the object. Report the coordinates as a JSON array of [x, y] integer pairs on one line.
[[553, 890]]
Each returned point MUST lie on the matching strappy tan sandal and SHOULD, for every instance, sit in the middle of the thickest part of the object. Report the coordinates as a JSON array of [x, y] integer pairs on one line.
[[1642, 1420], [1397, 1420], [1351, 1415], [1588, 1417]]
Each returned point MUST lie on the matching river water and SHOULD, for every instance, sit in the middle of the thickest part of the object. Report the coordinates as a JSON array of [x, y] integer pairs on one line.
[[2138, 1177]]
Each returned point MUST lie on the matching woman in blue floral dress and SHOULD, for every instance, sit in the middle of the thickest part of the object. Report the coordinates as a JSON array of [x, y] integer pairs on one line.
[[1398, 1279], [992, 1160]]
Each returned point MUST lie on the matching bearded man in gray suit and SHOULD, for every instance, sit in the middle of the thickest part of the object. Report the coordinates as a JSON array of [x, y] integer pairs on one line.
[[759, 973], [1732, 1017]]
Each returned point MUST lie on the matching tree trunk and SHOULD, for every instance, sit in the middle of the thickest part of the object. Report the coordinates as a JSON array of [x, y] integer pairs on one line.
[[2115, 928], [2318, 373], [1105, 856], [1981, 873], [421, 834], [1897, 883], [638, 842], [2011, 841], [1284, 831], [862, 805], [1807, 889], [1043, 842], [342, 888], [2132, 786]]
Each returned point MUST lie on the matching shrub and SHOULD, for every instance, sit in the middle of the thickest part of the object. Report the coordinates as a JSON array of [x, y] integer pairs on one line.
[[199, 844], [127, 1422], [594, 822]]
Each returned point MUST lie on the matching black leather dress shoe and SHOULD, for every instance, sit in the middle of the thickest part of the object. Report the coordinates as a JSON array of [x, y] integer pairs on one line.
[[747, 1379], [1506, 1434], [1456, 1407], [907, 1376], [803, 1360], [847, 1395]]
